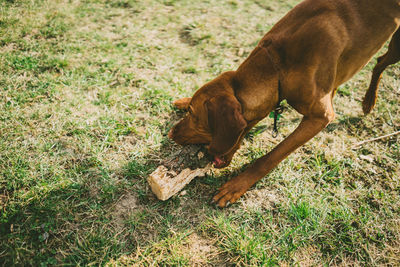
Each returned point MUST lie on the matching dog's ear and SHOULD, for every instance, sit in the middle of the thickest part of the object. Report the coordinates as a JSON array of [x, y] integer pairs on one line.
[[182, 103], [226, 123]]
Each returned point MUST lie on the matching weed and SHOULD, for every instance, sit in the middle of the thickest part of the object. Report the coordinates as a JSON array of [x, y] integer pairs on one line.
[[85, 107]]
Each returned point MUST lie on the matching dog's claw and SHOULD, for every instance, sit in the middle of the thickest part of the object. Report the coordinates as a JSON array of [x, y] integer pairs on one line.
[[231, 191]]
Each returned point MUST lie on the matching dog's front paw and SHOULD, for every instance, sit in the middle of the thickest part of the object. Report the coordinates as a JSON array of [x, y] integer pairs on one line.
[[231, 191]]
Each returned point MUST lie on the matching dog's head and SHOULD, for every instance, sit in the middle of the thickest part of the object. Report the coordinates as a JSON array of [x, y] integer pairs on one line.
[[214, 117]]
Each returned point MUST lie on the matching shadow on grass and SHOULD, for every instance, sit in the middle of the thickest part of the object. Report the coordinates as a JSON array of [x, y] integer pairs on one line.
[[96, 214], [346, 123]]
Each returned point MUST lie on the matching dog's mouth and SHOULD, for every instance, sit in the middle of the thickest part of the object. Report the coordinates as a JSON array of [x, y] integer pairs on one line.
[[219, 161]]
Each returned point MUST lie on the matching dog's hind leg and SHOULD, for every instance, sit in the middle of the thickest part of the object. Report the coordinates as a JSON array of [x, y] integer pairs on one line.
[[392, 56]]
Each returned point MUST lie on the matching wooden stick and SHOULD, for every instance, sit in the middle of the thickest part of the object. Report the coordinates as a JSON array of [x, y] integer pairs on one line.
[[355, 146], [165, 183]]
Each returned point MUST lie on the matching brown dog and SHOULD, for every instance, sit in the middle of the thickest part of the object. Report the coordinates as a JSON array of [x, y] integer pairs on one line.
[[317, 46]]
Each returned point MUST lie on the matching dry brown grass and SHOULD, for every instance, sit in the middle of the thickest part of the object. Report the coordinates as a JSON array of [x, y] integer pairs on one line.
[[85, 106]]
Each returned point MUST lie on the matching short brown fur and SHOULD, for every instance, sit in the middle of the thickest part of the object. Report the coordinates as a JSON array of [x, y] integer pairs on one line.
[[317, 46]]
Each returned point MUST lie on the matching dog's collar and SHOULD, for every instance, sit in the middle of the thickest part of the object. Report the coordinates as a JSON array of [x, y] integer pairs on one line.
[[279, 108], [266, 45]]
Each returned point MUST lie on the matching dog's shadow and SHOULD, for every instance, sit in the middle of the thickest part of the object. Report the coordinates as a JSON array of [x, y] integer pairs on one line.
[[350, 124]]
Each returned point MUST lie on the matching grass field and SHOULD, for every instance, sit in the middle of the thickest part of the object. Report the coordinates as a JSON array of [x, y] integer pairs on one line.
[[85, 105]]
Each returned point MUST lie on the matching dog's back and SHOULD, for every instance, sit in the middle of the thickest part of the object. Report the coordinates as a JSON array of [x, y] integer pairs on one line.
[[351, 30]]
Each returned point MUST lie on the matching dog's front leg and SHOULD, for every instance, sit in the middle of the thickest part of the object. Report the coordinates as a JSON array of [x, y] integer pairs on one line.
[[310, 125]]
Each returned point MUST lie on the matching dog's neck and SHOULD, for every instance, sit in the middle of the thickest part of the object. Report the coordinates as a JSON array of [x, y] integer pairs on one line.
[[256, 84]]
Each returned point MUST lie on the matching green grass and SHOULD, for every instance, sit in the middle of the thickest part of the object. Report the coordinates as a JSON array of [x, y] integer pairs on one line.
[[85, 106]]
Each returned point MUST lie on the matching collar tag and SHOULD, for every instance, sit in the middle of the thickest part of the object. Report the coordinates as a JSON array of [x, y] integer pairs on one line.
[[276, 114]]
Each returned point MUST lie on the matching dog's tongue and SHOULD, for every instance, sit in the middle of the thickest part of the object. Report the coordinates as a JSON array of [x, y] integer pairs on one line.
[[218, 161]]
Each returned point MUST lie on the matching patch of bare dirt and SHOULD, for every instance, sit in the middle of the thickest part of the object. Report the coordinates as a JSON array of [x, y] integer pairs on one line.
[[265, 198], [123, 207], [308, 257], [200, 250]]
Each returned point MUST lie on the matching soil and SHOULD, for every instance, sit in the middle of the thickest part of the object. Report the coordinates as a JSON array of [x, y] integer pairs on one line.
[[189, 156]]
